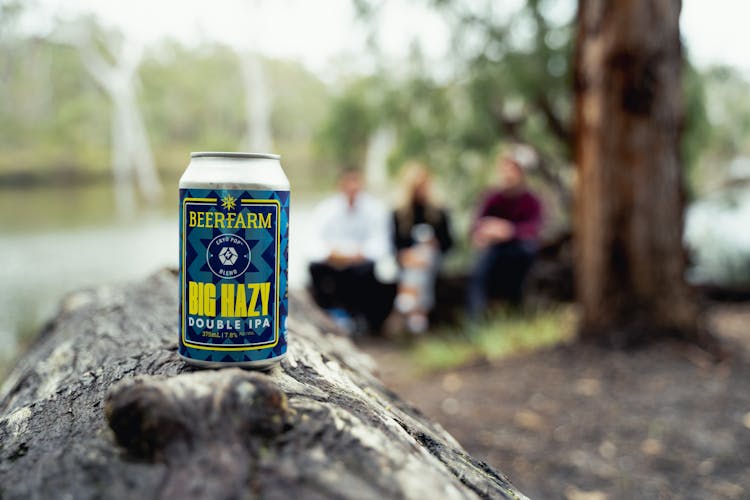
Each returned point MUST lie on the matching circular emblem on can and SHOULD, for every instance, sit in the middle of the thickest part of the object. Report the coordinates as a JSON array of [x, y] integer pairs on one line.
[[228, 256]]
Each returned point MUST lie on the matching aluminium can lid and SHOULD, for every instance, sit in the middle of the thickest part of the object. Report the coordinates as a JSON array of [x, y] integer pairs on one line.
[[225, 154]]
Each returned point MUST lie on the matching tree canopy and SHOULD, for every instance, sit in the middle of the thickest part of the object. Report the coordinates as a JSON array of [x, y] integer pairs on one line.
[[506, 78]]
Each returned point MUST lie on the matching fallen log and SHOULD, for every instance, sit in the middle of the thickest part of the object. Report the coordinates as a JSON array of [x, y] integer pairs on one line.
[[102, 407]]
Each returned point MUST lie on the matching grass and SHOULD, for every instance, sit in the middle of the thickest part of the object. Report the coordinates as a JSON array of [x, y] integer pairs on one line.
[[505, 334]]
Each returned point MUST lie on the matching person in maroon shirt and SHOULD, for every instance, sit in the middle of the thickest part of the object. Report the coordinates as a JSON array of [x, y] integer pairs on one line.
[[505, 233]]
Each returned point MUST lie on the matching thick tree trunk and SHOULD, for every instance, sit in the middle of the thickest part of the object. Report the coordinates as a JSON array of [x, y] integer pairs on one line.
[[101, 407], [629, 208]]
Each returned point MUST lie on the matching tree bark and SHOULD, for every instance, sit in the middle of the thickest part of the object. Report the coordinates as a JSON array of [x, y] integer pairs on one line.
[[629, 207], [102, 407]]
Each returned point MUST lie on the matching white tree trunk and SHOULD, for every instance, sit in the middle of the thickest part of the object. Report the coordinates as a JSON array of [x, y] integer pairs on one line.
[[257, 104], [131, 156]]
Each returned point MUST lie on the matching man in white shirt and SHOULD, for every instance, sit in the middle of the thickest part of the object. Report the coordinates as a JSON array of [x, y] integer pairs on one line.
[[352, 236]]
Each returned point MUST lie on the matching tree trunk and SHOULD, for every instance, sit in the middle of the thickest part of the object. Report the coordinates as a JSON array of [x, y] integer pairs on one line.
[[101, 407], [629, 208]]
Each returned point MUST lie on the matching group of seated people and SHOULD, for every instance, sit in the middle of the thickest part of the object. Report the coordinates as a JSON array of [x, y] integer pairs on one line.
[[367, 260]]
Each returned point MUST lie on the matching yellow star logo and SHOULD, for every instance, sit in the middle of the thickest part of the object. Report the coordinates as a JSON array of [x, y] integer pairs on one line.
[[229, 202]]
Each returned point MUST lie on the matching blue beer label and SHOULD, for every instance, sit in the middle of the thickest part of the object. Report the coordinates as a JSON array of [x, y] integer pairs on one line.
[[233, 274]]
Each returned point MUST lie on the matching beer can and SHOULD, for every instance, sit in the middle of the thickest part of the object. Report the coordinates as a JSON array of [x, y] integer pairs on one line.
[[234, 248]]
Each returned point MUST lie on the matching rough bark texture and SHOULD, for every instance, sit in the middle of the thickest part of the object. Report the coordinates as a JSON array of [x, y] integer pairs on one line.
[[101, 407], [629, 208]]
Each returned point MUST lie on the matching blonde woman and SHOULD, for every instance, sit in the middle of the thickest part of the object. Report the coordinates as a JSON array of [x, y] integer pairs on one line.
[[421, 235]]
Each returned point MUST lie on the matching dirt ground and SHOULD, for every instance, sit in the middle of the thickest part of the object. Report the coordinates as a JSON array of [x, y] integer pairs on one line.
[[582, 423]]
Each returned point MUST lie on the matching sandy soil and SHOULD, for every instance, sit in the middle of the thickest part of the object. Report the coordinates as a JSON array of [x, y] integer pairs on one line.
[[581, 423]]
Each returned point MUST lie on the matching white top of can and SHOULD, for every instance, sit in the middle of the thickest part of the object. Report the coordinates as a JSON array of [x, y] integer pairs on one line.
[[224, 154]]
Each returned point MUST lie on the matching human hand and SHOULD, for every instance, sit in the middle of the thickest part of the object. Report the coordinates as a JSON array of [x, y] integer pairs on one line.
[[340, 259], [411, 257], [492, 230]]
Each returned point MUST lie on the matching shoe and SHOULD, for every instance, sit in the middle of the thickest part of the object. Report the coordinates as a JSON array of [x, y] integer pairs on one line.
[[342, 319]]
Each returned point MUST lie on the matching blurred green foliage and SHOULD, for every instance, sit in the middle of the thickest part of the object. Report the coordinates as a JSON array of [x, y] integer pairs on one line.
[[193, 99], [509, 80], [349, 123], [726, 131], [55, 119]]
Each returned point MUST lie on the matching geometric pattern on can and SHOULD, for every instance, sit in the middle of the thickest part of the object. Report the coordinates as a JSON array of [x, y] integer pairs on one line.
[[234, 253]]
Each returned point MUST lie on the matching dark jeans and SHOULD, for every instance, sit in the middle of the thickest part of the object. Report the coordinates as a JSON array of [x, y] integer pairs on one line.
[[354, 289], [500, 271]]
